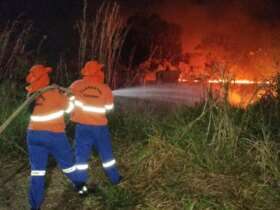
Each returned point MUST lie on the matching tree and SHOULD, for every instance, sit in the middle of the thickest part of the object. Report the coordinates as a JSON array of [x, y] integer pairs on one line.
[[151, 36]]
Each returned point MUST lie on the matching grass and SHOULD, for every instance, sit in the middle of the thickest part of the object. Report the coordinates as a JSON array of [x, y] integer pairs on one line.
[[227, 159], [14, 37], [12, 142], [102, 37]]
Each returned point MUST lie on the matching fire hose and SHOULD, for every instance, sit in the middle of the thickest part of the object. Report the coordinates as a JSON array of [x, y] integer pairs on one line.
[[28, 101]]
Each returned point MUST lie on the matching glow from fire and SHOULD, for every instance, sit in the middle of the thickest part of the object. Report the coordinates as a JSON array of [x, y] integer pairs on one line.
[[241, 92], [182, 80], [239, 82]]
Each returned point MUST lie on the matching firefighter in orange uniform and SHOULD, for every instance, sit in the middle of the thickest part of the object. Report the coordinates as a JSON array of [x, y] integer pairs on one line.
[[46, 134], [93, 99]]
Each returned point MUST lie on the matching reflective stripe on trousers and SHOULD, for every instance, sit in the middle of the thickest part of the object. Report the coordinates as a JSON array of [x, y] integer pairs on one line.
[[38, 173]]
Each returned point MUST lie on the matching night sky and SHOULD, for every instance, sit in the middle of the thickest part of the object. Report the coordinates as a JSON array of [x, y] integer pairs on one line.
[[45, 13]]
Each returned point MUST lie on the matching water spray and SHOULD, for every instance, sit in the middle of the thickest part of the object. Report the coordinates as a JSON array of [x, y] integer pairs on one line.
[[177, 93]]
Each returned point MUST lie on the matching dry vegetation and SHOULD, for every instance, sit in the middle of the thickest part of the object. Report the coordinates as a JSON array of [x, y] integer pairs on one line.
[[13, 39], [171, 159], [102, 37]]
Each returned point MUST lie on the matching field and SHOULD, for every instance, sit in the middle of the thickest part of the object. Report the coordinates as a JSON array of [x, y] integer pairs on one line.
[[210, 156]]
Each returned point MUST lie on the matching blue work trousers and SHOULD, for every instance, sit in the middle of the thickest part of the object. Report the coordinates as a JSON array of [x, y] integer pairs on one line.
[[89, 137], [41, 144]]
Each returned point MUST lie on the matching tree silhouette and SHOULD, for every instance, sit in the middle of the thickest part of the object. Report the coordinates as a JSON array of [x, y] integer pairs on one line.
[[151, 35]]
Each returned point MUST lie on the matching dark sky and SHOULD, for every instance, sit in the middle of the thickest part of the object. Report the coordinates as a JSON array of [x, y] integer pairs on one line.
[[49, 11], [54, 18], [267, 10], [40, 9]]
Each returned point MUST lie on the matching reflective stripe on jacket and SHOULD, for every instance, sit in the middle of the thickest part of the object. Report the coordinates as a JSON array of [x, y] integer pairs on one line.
[[92, 101], [48, 113]]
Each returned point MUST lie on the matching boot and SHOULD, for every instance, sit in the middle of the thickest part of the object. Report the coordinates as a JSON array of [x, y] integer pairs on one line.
[[118, 181], [82, 190]]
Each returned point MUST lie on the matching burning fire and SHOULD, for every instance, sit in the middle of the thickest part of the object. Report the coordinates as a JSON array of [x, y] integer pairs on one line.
[[241, 92], [249, 85], [243, 96], [239, 82]]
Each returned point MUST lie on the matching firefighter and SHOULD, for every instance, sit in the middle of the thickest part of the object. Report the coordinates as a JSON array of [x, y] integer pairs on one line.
[[93, 98], [45, 134]]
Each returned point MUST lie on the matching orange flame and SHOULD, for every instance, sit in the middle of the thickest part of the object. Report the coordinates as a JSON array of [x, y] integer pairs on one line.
[[239, 82]]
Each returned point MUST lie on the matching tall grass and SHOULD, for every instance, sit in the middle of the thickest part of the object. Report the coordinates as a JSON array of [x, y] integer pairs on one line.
[[13, 54], [218, 163], [102, 37], [14, 37], [62, 74], [12, 141]]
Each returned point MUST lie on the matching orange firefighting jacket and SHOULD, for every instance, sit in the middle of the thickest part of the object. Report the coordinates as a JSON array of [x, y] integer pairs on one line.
[[92, 101], [48, 112], [93, 98], [49, 109]]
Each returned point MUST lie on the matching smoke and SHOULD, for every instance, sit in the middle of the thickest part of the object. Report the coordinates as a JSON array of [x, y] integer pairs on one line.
[[249, 28], [200, 19]]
